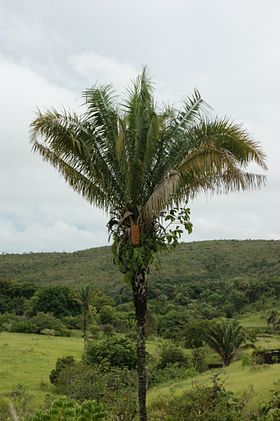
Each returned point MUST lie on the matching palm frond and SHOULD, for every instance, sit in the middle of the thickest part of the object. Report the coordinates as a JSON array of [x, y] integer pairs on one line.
[[162, 196], [79, 182], [75, 144], [141, 160]]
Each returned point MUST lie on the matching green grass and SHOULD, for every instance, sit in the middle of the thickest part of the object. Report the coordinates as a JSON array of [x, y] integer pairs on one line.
[[28, 359], [254, 320], [237, 378]]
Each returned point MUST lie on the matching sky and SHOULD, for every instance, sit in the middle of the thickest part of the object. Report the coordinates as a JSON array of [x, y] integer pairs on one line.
[[51, 50]]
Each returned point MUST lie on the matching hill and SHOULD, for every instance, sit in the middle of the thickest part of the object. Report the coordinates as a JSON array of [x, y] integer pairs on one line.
[[194, 261]]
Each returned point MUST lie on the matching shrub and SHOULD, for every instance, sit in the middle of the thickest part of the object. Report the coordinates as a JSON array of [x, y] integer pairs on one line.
[[270, 411], [48, 332], [39, 324], [48, 321], [115, 387], [61, 363], [21, 400], [4, 409], [171, 355], [194, 333], [57, 299], [171, 373], [200, 404], [72, 322], [6, 320], [117, 352], [70, 410], [22, 325], [198, 360]]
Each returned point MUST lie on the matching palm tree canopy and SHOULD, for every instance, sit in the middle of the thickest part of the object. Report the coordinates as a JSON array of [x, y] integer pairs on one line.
[[226, 338], [139, 159], [85, 296]]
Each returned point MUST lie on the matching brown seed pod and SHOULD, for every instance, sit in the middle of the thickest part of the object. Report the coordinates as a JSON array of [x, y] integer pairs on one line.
[[135, 234]]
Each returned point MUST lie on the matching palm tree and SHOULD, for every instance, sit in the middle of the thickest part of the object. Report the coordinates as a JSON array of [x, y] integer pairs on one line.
[[137, 161], [84, 298], [226, 338]]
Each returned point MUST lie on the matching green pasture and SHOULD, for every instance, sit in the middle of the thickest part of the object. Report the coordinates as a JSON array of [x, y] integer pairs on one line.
[[28, 359], [254, 320], [239, 379]]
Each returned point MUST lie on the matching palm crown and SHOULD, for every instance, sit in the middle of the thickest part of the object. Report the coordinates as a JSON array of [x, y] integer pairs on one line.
[[139, 159]]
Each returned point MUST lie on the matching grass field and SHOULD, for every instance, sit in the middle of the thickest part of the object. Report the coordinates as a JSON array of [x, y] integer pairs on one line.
[[236, 378], [28, 359]]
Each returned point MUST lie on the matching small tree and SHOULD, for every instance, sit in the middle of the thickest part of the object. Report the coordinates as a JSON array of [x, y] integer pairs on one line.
[[226, 338], [117, 352], [84, 298]]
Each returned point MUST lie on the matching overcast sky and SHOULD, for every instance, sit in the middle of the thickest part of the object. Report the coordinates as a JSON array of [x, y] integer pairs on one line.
[[51, 50]]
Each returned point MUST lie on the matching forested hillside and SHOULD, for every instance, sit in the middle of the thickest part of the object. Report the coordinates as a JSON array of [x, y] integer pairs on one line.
[[207, 260]]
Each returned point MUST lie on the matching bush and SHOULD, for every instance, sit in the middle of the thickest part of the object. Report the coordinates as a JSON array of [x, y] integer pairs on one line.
[[198, 360], [115, 387], [72, 322], [194, 333], [270, 411], [21, 400], [22, 325], [48, 321], [6, 320], [4, 409], [170, 373], [171, 355], [61, 363], [40, 324], [200, 404], [70, 410], [117, 352], [57, 299]]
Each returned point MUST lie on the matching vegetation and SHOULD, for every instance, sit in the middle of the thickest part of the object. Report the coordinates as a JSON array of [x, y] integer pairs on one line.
[[108, 155], [201, 403], [70, 410], [117, 352], [249, 263], [61, 364], [84, 298], [28, 359], [226, 338], [182, 310], [172, 355]]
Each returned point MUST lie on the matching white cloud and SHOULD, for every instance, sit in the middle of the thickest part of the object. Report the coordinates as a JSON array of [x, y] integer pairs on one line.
[[38, 211], [104, 70]]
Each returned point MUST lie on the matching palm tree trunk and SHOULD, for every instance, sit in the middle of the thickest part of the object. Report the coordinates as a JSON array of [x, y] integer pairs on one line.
[[85, 329], [139, 289]]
